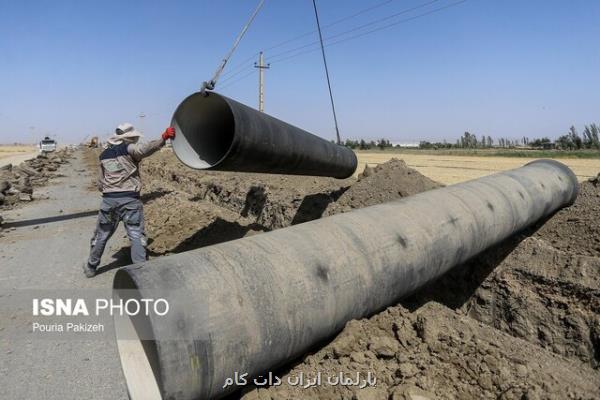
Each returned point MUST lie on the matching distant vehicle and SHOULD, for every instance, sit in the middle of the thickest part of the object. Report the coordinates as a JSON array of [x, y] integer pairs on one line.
[[47, 145]]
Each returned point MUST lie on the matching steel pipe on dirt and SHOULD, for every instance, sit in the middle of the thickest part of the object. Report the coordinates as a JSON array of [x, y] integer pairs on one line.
[[215, 132], [255, 303]]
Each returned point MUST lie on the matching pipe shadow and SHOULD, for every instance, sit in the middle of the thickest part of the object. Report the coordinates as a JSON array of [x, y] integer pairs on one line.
[[457, 286], [47, 220], [314, 205], [218, 231]]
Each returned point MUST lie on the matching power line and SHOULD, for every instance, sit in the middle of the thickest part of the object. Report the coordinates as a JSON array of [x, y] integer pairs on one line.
[[370, 31], [376, 21], [240, 64], [337, 130], [253, 56], [229, 78], [350, 38], [330, 25], [237, 80]]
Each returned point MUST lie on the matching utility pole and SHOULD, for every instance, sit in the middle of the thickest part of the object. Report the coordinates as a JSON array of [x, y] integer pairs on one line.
[[261, 81]]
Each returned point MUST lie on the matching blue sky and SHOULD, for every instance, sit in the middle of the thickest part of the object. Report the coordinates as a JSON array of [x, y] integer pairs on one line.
[[502, 68]]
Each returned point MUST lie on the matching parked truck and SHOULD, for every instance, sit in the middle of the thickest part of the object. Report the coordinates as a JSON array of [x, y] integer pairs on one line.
[[47, 145]]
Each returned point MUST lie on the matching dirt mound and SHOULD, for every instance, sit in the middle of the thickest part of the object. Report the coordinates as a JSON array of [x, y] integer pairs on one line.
[[188, 209], [541, 285], [577, 229], [277, 201], [386, 182], [271, 201], [176, 223], [547, 290], [434, 353]]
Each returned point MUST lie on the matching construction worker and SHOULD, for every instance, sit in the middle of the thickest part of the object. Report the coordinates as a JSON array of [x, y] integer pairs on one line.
[[120, 183]]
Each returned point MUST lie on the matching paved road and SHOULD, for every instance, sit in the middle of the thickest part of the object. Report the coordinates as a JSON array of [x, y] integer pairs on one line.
[[44, 251]]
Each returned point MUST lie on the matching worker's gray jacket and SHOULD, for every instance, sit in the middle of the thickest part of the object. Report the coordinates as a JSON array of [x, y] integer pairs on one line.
[[119, 173]]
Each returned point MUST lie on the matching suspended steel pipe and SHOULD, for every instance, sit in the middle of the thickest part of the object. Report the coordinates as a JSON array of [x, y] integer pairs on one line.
[[252, 304], [215, 132]]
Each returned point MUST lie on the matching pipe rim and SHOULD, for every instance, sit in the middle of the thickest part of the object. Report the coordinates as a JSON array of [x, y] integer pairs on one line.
[[183, 148], [138, 357], [566, 170]]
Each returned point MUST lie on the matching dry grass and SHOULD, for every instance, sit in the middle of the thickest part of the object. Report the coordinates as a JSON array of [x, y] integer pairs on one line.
[[450, 169], [16, 149], [16, 153]]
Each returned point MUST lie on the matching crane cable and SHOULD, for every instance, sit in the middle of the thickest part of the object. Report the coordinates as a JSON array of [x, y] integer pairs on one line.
[[337, 130], [210, 85]]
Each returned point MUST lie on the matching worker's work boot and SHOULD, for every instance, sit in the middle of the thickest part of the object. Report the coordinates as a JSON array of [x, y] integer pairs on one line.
[[88, 270]]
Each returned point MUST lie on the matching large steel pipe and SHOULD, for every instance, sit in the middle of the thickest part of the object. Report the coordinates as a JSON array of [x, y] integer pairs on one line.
[[217, 133], [257, 302]]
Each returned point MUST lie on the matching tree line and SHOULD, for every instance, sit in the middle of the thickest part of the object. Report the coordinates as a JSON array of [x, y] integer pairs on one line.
[[572, 140], [366, 145]]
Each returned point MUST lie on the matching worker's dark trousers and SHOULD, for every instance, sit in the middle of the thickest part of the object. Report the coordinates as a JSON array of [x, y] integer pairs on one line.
[[112, 211]]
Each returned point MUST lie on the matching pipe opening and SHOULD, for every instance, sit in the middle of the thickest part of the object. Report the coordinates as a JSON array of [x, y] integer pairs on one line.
[[204, 130], [139, 357]]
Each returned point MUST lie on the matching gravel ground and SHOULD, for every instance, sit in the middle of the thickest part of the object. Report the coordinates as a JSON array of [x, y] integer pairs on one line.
[[42, 252]]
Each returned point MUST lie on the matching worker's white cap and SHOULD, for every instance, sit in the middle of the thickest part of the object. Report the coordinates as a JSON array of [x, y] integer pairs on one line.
[[124, 131], [127, 130]]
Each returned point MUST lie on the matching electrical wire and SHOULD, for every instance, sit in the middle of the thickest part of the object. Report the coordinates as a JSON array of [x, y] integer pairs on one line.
[[253, 56], [243, 63], [376, 21], [369, 32], [235, 81], [365, 10], [274, 58], [230, 77], [284, 59], [337, 130]]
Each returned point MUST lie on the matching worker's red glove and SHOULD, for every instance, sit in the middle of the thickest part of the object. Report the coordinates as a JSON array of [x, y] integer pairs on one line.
[[169, 133]]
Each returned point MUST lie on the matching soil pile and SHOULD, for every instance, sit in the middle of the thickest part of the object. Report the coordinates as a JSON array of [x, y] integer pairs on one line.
[[175, 223], [430, 353], [386, 182], [271, 201], [188, 209]]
